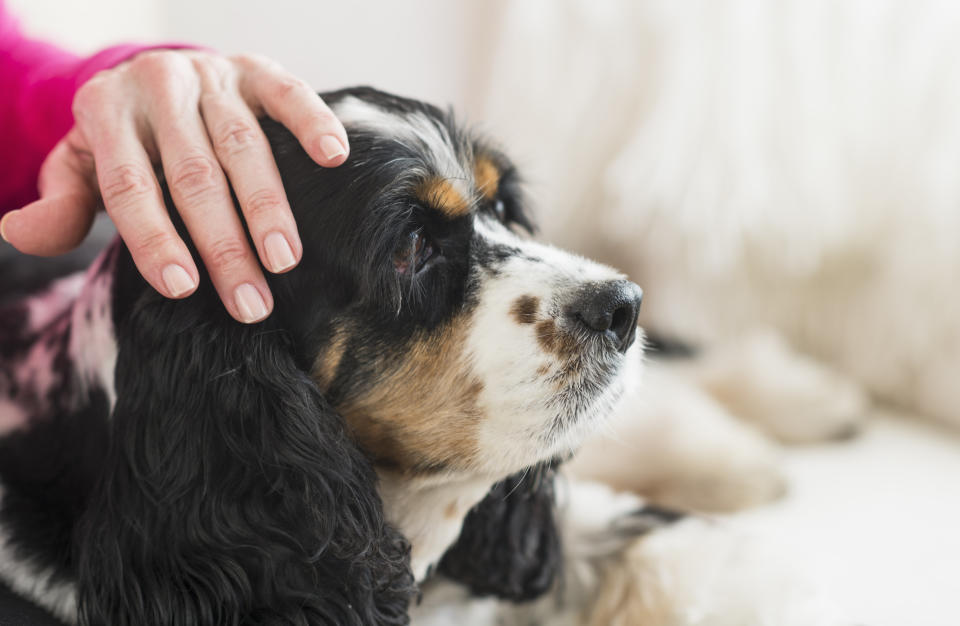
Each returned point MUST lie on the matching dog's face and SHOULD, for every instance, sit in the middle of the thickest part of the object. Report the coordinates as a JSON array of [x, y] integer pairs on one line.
[[450, 342]]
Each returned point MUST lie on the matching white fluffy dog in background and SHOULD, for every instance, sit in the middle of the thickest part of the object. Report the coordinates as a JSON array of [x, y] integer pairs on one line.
[[784, 180]]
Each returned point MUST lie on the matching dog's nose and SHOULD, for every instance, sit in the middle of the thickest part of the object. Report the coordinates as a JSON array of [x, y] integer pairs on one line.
[[610, 308]]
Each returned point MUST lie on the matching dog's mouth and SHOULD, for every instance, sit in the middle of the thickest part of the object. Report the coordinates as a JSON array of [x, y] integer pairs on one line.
[[589, 384]]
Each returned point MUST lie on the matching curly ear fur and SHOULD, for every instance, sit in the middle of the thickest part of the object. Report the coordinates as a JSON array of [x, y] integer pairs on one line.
[[510, 543], [231, 493]]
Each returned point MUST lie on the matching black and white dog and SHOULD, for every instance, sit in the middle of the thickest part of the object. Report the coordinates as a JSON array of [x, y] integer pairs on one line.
[[399, 417]]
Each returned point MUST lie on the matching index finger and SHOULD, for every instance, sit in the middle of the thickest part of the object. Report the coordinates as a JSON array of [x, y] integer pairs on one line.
[[293, 103], [133, 200]]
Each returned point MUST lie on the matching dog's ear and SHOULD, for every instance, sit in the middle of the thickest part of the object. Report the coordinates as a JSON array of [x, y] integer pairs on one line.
[[231, 492], [510, 543]]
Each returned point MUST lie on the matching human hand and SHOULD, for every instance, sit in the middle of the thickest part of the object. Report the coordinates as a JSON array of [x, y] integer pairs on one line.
[[196, 114]]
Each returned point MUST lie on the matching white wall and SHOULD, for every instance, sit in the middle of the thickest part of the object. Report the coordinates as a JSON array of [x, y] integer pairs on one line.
[[422, 48], [91, 24], [431, 49]]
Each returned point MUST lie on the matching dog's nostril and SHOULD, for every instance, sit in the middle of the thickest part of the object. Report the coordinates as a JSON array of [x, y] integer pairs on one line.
[[610, 308], [622, 320]]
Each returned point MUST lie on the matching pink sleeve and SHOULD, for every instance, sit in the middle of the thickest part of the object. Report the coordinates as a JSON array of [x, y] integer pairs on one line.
[[37, 84]]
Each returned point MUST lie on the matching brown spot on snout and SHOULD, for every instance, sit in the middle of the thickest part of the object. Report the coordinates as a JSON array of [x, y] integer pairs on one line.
[[440, 193], [417, 411], [524, 309], [487, 177], [553, 340]]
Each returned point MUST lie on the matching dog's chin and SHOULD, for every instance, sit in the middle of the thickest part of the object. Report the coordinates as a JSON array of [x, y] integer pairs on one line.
[[585, 408]]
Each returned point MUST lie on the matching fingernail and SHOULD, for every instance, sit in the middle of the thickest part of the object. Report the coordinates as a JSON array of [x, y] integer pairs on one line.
[[331, 147], [250, 303], [177, 280], [279, 253], [2, 222]]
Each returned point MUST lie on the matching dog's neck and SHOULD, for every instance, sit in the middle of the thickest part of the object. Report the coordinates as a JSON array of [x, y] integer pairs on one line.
[[429, 512]]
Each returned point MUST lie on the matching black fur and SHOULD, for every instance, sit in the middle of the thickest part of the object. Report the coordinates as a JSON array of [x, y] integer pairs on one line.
[[224, 489], [233, 494], [510, 546], [48, 474]]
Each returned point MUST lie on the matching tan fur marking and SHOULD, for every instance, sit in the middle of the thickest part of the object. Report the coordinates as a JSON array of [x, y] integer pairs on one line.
[[439, 193], [421, 414], [487, 177], [328, 361], [524, 309], [552, 340]]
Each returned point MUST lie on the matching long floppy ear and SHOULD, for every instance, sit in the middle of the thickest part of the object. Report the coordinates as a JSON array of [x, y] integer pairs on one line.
[[231, 494], [510, 543]]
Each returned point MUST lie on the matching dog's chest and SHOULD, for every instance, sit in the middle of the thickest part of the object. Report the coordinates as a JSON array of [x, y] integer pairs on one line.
[[430, 515]]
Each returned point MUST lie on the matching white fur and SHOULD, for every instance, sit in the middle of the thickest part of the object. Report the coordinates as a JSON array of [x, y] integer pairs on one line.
[[679, 447], [788, 395], [43, 308], [410, 129], [12, 416], [506, 354], [35, 582], [429, 513], [689, 573], [517, 400], [93, 343]]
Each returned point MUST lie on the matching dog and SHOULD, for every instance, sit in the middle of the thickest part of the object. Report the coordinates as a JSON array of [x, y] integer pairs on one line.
[[387, 446], [160, 463]]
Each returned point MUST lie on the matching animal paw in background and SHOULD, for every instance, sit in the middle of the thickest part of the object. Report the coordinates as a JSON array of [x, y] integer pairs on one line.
[[787, 395], [679, 447]]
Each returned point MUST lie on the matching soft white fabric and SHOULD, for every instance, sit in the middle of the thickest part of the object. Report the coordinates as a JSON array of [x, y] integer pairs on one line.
[[790, 164]]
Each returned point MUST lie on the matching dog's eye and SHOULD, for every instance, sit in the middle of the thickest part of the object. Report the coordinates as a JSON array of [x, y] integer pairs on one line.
[[414, 253], [500, 210]]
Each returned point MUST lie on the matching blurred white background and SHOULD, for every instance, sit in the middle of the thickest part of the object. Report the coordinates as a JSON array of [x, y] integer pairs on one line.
[[805, 146], [431, 48]]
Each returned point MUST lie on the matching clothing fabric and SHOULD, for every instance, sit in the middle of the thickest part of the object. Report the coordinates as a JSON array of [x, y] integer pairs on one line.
[[37, 84]]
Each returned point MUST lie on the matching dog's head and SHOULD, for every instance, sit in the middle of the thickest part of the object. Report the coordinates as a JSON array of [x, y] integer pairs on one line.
[[449, 341], [422, 331]]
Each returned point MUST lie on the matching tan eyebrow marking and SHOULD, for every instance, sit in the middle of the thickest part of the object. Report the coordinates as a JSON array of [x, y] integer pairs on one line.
[[439, 193], [487, 177]]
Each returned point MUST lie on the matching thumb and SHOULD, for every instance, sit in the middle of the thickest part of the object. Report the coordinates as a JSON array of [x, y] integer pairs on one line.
[[61, 218]]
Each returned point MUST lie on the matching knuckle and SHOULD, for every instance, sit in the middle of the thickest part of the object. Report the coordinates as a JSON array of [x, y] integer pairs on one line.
[[263, 204], [166, 72], [152, 246], [234, 136], [125, 184], [157, 61], [226, 255], [216, 69], [206, 62], [90, 93], [194, 176], [324, 118], [288, 87], [247, 60]]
